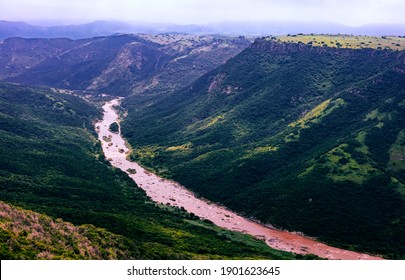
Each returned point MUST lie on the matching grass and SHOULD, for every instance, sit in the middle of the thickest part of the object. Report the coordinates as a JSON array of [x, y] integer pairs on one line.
[[184, 147], [397, 153], [311, 115], [259, 150], [147, 152], [205, 123], [361, 137], [344, 167], [376, 115], [314, 116], [347, 41]]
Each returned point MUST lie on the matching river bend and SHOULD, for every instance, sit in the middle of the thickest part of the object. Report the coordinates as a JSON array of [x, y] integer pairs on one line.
[[165, 191]]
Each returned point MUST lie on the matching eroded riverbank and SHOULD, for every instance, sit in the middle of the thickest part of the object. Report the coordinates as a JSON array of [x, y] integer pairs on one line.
[[168, 192]]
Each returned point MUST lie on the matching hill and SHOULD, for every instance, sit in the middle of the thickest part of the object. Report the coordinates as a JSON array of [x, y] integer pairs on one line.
[[29, 235], [51, 163], [119, 64], [308, 138]]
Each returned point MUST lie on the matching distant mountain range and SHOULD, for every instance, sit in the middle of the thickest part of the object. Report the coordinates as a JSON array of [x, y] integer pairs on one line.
[[246, 28], [118, 64]]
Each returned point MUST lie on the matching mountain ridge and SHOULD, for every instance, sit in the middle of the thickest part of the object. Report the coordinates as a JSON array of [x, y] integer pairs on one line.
[[118, 64], [245, 28]]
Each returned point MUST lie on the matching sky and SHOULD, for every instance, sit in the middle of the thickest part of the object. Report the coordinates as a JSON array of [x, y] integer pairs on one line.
[[347, 12]]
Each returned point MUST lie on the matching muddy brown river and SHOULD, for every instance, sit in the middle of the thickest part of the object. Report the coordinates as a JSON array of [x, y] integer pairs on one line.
[[165, 191]]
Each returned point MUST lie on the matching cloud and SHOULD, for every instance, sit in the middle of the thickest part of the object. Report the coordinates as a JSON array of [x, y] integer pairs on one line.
[[351, 12]]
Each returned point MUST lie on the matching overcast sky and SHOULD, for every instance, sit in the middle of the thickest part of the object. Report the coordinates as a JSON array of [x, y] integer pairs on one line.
[[348, 12]]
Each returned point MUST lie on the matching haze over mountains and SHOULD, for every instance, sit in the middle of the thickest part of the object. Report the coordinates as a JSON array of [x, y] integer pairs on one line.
[[231, 28]]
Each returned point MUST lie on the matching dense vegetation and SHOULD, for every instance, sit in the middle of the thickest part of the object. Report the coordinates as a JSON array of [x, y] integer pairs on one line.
[[303, 137], [114, 127], [52, 164]]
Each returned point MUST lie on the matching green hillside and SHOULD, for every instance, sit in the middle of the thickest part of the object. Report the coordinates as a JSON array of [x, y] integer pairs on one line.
[[51, 163], [29, 235], [305, 138]]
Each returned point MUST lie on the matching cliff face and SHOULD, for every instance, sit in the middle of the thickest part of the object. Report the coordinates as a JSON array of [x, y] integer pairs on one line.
[[264, 44], [280, 48]]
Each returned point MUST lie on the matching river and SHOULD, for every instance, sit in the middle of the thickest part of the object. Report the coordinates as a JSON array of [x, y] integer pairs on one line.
[[165, 191]]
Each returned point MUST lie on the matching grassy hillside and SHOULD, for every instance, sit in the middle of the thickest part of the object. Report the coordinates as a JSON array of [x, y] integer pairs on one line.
[[303, 137], [346, 41], [51, 163]]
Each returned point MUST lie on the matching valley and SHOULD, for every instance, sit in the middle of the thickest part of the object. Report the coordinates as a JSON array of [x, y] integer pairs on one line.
[[171, 193], [61, 199], [121, 64], [302, 133]]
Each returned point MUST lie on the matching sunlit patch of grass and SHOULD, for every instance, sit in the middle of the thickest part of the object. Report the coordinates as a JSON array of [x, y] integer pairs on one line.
[[400, 186], [240, 129], [316, 114], [205, 123], [146, 152], [376, 115], [185, 147], [311, 115], [259, 150], [361, 137], [397, 153], [307, 171], [343, 167]]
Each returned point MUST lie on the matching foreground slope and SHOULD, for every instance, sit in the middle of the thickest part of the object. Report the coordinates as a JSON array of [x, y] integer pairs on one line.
[[303, 137], [29, 235], [51, 163]]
